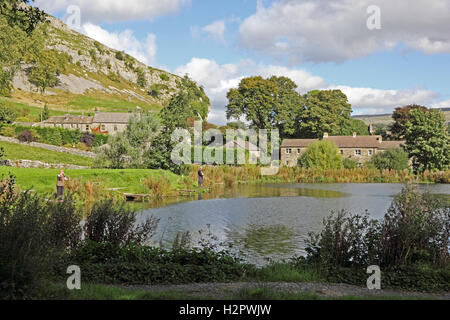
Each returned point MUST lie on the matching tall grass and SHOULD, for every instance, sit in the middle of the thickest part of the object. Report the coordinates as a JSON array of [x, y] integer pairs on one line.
[[230, 175]]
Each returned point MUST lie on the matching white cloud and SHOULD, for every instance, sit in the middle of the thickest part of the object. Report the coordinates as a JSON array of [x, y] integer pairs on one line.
[[216, 29], [336, 30], [124, 41], [114, 10], [219, 79]]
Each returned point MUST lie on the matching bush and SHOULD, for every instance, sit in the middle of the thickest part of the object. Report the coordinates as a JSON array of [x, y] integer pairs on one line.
[[164, 77], [26, 136], [321, 155], [7, 131], [7, 115], [115, 224], [33, 234], [350, 163], [415, 230], [391, 159]]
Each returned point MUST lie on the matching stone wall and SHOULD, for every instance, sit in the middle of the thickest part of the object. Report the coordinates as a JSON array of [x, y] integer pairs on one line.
[[38, 164], [50, 147]]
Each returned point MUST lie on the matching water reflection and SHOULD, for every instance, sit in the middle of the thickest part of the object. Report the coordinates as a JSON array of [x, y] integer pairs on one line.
[[270, 221]]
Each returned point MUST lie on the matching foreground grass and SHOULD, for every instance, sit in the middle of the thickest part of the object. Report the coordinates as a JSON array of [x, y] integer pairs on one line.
[[114, 293], [127, 181], [21, 152]]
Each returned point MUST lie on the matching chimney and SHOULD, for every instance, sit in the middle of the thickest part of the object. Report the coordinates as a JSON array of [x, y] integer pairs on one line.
[[325, 135], [354, 134]]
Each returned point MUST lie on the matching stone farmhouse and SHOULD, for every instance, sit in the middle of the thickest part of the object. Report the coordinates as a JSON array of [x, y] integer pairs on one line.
[[359, 148], [106, 123]]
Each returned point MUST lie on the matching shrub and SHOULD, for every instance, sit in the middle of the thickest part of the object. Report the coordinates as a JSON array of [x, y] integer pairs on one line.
[[120, 56], [7, 115], [415, 230], [8, 132], [88, 139], [164, 77], [391, 159], [115, 224], [33, 233], [350, 163], [321, 155], [26, 136]]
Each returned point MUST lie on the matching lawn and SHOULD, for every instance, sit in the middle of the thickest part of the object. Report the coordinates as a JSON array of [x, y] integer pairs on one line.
[[20, 152], [129, 180]]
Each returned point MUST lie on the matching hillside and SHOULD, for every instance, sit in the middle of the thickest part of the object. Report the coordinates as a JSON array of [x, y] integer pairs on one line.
[[93, 77], [387, 118]]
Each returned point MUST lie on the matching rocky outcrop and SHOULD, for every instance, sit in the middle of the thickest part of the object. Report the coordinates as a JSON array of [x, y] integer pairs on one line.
[[38, 164]]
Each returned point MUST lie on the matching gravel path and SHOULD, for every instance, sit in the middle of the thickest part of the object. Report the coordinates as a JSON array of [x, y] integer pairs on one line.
[[227, 290]]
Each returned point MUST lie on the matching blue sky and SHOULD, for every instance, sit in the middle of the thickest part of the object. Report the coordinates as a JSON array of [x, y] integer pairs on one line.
[[320, 44]]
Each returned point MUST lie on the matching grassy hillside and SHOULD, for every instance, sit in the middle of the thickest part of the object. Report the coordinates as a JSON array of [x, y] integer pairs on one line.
[[92, 77], [387, 118], [20, 152]]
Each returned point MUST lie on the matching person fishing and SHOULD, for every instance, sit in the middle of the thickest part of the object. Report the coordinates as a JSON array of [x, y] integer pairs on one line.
[[60, 183], [200, 177]]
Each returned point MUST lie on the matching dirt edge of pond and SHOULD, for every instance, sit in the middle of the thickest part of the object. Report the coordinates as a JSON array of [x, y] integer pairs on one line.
[[331, 291]]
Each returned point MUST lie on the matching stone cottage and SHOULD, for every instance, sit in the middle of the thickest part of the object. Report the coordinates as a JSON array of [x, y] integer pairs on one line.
[[106, 123], [358, 148]]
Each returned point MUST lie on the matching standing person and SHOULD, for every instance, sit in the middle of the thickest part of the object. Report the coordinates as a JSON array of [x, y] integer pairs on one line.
[[200, 177], [60, 182]]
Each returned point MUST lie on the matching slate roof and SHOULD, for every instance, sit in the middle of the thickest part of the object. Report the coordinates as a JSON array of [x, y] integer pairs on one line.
[[369, 142], [69, 119], [112, 117]]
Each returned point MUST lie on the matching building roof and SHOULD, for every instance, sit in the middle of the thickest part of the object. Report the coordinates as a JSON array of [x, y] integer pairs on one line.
[[240, 144], [392, 144], [69, 119], [112, 117], [375, 142]]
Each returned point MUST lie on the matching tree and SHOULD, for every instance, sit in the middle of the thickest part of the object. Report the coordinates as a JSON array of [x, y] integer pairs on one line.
[[44, 74], [321, 155], [324, 111], [2, 153], [266, 103], [391, 159], [127, 149], [45, 113], [7, 115], [20, 13], [401, 117], [174, 116], [198, 102], [18, 38], [354, 125], [427, 140]]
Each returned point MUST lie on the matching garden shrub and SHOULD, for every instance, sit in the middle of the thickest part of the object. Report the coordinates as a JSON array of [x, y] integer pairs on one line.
[[26, 136]]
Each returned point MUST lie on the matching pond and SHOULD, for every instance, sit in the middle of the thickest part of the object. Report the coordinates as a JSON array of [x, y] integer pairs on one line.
[[270, 222]]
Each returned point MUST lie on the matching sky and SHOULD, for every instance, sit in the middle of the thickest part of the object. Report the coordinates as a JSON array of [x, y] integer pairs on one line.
[[382, 54]]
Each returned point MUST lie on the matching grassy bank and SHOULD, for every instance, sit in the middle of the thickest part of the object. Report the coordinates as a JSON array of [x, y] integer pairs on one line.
[[127, 181], [21, 152]]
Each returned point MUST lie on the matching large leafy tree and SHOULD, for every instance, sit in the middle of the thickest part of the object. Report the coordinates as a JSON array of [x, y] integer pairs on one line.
[[19, 39], [127, 149], [174, 116], [47, 67], [401, 118], [266, 103], [322, 155], [324, 111], [427, 140]]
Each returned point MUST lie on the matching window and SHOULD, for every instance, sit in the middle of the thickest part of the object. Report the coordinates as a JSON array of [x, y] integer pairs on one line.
[[358, 152], [115, 128], [359, 165], [370, 152], [299, 151], [288, 151], [87, 127], [103, 127], [342, 152]]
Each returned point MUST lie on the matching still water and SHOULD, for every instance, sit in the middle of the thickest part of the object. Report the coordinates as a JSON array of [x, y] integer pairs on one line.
[[270, 222]]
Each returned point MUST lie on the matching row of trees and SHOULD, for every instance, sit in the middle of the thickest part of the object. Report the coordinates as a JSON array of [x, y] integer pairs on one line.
[[275, 103]]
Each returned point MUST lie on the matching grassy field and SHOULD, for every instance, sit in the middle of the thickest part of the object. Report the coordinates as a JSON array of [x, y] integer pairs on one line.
[[20, 152], [26, 112], [129, 181]]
